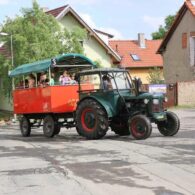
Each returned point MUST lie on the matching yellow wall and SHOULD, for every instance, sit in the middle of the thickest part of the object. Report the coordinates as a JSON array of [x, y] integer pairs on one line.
[[142, 73], [92, 48]]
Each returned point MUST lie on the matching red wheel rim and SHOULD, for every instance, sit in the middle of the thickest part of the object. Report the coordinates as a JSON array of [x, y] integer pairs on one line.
[[88, 119], [138, 128]]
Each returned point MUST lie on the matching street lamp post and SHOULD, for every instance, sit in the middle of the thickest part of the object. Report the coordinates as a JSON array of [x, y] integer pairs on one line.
[[12, 58]]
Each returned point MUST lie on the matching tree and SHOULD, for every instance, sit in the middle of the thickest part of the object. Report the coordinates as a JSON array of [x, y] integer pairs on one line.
[[160, 34], [36, 36], [98, 63], [155, 76]]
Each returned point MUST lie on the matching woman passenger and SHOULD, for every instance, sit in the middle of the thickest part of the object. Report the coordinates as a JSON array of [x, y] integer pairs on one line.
[[65, 78], [31, 81], [43, 79]]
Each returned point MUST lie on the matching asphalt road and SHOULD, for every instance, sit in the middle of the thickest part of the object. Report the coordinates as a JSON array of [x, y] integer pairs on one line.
[[69, 164]]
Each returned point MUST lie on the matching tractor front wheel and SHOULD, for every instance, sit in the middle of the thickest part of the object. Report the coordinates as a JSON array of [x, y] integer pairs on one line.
[[140, 127], [91, 120], [171, 126], [25, 126]]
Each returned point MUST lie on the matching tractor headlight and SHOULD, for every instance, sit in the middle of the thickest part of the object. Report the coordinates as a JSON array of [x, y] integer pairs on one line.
[[155, 101], [166, 99], [128, 105], [146, 101]]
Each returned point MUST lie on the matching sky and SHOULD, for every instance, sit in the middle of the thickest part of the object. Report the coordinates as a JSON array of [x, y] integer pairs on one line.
[[122, 18]]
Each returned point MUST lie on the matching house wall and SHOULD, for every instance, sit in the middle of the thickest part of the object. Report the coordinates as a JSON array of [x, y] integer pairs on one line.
[[177, 59], [186, 93], [142, 73], [92, 48]]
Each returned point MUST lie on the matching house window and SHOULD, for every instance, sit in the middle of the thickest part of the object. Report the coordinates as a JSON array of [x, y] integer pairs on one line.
[[192, 51], [184, 40], [135, 57]]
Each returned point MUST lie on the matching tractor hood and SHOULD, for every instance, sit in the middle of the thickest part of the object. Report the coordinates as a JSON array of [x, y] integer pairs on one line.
[[143, 95]]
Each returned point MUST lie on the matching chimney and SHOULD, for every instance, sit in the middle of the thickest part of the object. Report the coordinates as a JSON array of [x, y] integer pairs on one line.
[[116, 47], [141, 40]]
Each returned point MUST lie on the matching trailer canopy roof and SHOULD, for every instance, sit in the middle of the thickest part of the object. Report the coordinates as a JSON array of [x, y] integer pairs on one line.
[[66, 60]]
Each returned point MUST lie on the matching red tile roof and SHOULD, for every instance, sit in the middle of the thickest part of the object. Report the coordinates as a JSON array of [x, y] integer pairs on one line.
[[188, 5], [148, 56], [57, 11]]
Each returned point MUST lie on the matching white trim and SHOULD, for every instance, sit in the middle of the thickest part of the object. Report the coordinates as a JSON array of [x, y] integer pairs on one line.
[[63, 13], [192, 50]]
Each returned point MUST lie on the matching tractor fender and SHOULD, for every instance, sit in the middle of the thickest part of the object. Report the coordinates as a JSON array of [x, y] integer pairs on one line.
[[106, 105]]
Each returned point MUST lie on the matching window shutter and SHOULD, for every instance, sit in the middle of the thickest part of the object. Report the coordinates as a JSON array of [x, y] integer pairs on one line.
[[192, 51], [184, 40]]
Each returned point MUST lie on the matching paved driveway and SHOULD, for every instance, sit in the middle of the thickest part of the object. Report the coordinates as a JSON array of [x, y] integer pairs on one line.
[[69, 164]]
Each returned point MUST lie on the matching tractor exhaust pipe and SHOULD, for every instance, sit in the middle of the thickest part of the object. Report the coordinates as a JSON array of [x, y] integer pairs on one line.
[[137, 84]]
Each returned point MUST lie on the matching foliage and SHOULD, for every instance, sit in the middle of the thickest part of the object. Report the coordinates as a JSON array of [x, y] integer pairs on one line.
[[155, 76], [98, 63], [38, 36], [5, 115], [5, 82], [160, 34]]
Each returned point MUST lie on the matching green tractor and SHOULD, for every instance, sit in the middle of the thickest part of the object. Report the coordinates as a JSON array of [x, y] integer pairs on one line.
[[110, 98]]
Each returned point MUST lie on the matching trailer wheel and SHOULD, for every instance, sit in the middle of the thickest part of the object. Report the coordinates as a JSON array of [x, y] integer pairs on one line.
[[25, 126], [140, 127], [120, 128], [57, 129], [91, 120], [49, 126], [171, 126]]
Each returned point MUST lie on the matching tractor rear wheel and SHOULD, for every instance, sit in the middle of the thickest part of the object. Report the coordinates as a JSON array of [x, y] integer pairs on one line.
[[91, 120], [120, 128], [140, 127], [49, 126], [25, 126], [79, 132], [171, 126]]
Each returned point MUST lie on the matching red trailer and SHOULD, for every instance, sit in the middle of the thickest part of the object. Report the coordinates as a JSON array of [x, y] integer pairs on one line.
[[47, 105]]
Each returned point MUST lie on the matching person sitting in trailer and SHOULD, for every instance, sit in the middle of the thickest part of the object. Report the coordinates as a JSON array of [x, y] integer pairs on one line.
[[43, 81], [107, 82], [20, 85], [65, 79], [73, 80], [51, 81], [23, 84], [31, 81]]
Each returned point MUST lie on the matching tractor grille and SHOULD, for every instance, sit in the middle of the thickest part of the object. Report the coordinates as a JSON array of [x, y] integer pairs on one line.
[[158, 107]]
